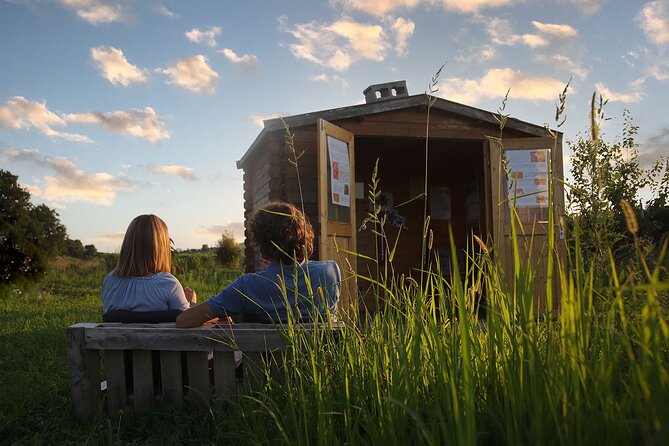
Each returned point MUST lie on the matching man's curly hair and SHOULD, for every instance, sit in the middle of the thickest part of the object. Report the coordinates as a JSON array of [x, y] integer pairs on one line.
[[282, 232]]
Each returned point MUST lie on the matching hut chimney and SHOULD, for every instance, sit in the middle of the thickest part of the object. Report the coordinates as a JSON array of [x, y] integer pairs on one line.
[[389, 90]]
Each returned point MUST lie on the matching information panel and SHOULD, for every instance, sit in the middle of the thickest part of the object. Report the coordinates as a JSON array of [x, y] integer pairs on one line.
[[340, 172]]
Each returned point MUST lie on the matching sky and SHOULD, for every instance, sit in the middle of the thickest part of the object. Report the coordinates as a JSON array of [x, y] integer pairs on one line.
[[114, 108]]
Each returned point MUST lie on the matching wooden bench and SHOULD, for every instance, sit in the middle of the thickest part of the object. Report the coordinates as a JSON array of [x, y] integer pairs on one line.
[[149, 365]]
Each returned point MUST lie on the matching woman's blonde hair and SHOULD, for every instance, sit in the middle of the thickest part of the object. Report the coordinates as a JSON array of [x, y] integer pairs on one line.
[[145, 249]]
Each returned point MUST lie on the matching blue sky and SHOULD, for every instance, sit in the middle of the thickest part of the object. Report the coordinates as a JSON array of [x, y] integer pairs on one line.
[[114, 108]]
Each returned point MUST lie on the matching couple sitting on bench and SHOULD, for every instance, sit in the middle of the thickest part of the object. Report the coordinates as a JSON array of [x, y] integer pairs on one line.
[[142, 289]]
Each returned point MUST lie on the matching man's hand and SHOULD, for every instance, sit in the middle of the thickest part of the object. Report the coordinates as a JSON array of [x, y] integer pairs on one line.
[[191, 295]]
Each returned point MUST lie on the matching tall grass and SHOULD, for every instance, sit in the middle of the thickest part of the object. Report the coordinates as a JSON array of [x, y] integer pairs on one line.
[[423, 369]]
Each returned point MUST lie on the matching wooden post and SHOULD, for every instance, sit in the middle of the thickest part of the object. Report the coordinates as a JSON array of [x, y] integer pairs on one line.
[[84, 371], [142, 377], [198, 377], [117, 393], [224, 373], [171, 378]]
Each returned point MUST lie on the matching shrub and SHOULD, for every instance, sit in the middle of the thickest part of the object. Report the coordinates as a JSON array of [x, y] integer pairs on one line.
[[228, 251]]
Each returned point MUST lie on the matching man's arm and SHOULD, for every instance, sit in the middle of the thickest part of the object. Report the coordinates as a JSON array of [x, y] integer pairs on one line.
[[195, 316]]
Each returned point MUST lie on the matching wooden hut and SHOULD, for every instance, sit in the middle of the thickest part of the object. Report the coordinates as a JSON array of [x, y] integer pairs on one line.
[[471, 177]]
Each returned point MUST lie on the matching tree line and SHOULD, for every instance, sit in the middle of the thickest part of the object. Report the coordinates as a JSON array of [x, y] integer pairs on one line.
[[30, 235]]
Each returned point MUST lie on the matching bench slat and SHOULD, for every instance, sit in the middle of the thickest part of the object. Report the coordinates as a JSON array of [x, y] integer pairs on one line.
[[171, 378], [198, 377], [224, 373], [84, 371], [117, 397], [142, 377]]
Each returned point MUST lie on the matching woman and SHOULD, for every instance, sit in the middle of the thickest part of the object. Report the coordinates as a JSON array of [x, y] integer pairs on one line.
[[289, 286], [141, 287]]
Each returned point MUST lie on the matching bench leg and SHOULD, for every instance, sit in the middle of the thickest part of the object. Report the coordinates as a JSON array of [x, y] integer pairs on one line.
[[84, 373]]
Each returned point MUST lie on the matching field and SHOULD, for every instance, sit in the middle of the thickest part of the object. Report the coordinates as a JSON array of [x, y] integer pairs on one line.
[[598, 374]]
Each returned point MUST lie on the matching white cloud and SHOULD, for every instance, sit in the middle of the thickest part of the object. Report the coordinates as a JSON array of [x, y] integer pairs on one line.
[[474, 6], [247, 61], [334, 79], [96, 11], [655, 147], [69, 183], [215, 231], [403, 29], [187, 173], [208, 37], [378, 8], [114, 236], [587, 6], [115, 67], [478, 55], [626, 98], [163, 10], [557, 30], [496, 82], [563, 62], [259, 119], [654, 21], [339, 44], [142, 123], [194, 74], [20, 113], [501, 32]]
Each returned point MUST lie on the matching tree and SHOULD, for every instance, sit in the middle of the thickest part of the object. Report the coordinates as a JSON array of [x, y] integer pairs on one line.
[[90, 251], [74, 248], [28, 234], [228, 251], [603, 174]]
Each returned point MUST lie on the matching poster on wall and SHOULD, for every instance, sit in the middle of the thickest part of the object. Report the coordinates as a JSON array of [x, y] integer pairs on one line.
[[340, 172], [528, 175]]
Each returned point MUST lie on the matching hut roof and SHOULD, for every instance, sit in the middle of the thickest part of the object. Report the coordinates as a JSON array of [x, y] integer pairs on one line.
[[399, 103]]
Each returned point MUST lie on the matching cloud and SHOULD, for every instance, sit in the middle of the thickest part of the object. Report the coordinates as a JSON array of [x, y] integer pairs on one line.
[[478, 55], [187, 173], [562, 62], [115, 67], [259, 119], [653, 19], [235, 227], [163, 10], [142, 123], [96, 11], [339, 44], [334, 79], [194, 74], [403, 29], [208, 37], [501, 32], [589, 7], [247, 61], [557, 30], [496, 82], [626, 98], [378, 8], [474, 6], [655, 148], [21, 113], [114, 236], [69, 183]]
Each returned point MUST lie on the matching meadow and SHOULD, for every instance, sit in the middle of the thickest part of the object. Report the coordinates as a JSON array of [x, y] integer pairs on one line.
[[425, 369]]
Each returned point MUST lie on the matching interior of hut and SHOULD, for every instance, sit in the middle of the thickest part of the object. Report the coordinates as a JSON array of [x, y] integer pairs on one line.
[[455, 197]]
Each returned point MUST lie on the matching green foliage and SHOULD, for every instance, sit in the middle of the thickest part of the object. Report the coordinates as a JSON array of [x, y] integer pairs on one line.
[[604, 173], [28, 234], [228, 251]]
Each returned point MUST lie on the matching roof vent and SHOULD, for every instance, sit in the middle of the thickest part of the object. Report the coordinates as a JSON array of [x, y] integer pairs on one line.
[[389, 90]]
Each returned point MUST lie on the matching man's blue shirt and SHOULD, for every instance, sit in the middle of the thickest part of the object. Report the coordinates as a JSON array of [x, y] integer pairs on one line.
[[279, 289]]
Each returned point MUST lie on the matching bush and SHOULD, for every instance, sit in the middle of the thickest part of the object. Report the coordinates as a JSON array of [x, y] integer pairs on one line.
[[228, 252]]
